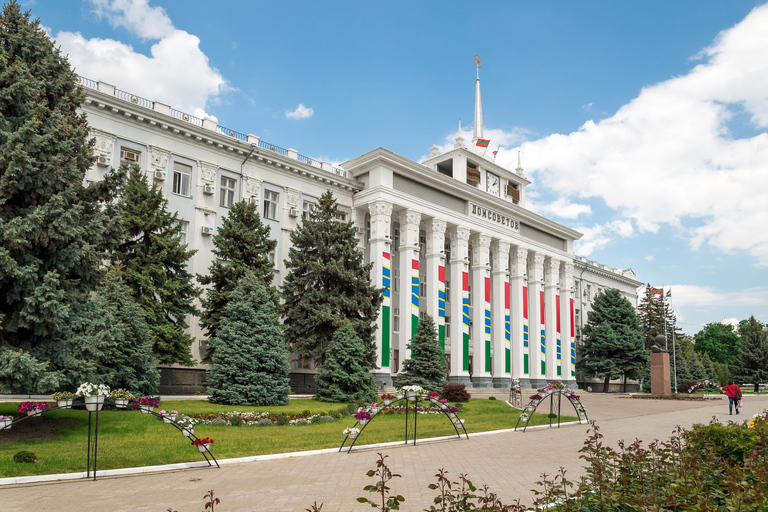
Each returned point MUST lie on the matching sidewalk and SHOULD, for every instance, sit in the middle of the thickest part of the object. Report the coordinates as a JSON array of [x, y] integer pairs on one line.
[[510, 463]]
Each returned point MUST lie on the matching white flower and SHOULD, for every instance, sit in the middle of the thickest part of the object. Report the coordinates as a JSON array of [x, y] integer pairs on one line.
[[89, 389], [351, 430]]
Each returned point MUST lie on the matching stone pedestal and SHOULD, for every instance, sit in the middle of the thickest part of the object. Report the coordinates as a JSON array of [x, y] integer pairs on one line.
[[660, 382]]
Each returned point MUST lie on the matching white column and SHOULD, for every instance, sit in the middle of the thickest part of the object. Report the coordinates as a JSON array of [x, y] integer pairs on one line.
[[436, 276], [481, 311], [568, 361], [519, 316], [358, 221], [459, 342], [381, 272], [500, 328], [551, 300], [538, 327], [409, 279]]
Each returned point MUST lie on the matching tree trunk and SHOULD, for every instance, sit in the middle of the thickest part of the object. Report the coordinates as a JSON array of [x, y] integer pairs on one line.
[[625, 383], [757, 386], [607, 383]]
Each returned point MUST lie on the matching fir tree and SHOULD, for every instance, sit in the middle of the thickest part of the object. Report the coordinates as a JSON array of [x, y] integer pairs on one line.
[[242, 245], [657, 318], [613, 340], [426, 366], [155, 259], [53, 230], [116, 341], [250, 366], [752, 363], [327, 285], [345, 375]]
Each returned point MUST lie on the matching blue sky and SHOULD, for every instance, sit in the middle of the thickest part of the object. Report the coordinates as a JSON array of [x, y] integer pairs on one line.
[[644, 126]]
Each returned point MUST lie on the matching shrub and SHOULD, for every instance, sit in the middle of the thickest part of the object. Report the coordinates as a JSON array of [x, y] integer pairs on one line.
[[491, 398], [219, 422], [24, 456], [301, 421], [306, 413], [265, 422], [327, 419], [282, 420], [686, 385], [235, 421], [730, 443], [455, 393]]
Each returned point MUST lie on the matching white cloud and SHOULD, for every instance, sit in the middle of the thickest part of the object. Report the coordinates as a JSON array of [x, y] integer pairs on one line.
[[650, 257], [301, 112], [176, 72], [600, 235], [560, 207], [668, 157], [711, 297]]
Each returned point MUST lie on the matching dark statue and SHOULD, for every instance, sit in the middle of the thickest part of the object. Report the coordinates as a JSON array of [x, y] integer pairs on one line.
[[659, 344]]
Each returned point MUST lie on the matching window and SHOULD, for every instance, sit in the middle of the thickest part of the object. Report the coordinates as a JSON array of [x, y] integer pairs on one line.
[[447, 291], [422, 286], [396, 241], [130, 156], [447, 327], [228, 189], [342, 216], [272, 256], [396, 320], [396, 281], [184, 231], [181, 179], [307, 207], [469, 294], [271, 200]]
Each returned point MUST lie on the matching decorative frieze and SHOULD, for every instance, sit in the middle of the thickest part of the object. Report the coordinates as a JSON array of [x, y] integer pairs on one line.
[[104, 143], [208, 171], [252, 186], [292, 197], [158, 158]]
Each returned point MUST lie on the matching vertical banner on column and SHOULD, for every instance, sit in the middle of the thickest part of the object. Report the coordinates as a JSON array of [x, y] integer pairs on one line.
[[507, 333], [488, 325], [414, 297], [525, 330], [465, 320], [385, 305], [572, 343], [559, 343], [543, 326], [441, 306]]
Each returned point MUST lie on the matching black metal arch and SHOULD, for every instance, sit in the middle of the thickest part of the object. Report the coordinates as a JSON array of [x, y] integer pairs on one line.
[[443, 408], [93, 433], [534, 404]]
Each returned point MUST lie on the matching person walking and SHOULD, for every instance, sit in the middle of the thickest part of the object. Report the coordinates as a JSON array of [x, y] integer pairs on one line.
[[733, 392]]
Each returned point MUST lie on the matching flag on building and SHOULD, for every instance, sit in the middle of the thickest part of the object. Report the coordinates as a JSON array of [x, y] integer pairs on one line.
[[669, 293], [483, 143]]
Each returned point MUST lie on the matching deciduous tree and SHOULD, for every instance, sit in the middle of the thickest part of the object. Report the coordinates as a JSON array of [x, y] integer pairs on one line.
[[752, 363]]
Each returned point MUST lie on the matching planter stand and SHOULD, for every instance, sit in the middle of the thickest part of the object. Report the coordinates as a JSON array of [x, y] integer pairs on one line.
[[554, 410]]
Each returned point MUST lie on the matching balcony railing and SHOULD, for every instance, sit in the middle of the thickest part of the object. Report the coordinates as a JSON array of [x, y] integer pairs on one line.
[[136, 100], [178, 114]]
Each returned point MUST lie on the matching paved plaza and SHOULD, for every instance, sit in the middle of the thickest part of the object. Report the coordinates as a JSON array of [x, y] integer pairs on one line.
[[510, 463]]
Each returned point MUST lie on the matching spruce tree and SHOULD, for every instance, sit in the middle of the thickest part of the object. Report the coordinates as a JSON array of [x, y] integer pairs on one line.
[[613, 340], [652, 311], [250, 365], [327, 285], [426, 366], [154, 259], [53, 230], [752, 364], [345, 375], [116, 341], [242, 245]]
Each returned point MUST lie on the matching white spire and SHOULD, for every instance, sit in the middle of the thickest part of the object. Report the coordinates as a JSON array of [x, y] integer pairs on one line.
[[519, 169], [478, 129], [459, 139]]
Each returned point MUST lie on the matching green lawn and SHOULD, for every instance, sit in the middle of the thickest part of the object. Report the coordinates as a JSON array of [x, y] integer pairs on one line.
[[131, 439]]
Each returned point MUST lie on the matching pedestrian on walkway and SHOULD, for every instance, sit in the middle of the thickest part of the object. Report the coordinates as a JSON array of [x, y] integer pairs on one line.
[[733, 392]]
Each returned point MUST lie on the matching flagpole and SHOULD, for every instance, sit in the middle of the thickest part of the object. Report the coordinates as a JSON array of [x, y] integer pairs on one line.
[[674, 349]]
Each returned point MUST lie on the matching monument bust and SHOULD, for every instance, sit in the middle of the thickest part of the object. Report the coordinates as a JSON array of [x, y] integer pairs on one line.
[[659, 344]]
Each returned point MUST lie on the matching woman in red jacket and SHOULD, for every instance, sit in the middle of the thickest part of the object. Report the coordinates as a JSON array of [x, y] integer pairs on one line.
[[733, 392]]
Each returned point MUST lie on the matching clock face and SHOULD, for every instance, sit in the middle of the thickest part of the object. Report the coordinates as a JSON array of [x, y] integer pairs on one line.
[[492, 185]]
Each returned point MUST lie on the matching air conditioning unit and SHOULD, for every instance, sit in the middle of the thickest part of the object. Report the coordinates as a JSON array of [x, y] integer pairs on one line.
[[129, 155], [207, 189], [103, 161], [361, 230], [253, 200], [159, 176], [208, 231], [293, 212]]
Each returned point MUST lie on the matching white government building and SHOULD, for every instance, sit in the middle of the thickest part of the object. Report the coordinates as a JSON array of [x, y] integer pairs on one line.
[[450, 237]]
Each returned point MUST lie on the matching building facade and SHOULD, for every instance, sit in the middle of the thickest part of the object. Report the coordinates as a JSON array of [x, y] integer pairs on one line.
[[450, 237]]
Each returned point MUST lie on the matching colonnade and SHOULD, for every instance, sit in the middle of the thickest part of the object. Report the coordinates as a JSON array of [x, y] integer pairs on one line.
[[519, 324]]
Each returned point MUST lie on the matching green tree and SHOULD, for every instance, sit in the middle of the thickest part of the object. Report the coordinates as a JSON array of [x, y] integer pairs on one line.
[[345, 375], [658, 318], [327, 284], [53, 231], [718, 340], [115, 341], [242, 245], [613, 340], [154, 259], [250, 365], [426, 367], [752, 363]]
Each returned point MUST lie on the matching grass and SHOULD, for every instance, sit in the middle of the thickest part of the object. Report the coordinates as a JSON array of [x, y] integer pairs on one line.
[[128, 438]]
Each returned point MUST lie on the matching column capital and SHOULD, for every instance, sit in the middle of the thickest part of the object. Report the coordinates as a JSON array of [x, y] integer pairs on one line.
[[500, 256], [435, 236], [409, 216], [380, 208], [459, 233], [481, 245], [381, 218], [566, 269], [552, 271]]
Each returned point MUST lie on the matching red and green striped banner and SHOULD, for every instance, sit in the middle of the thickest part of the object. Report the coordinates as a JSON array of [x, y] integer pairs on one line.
[[483, 143], [385, 283]]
